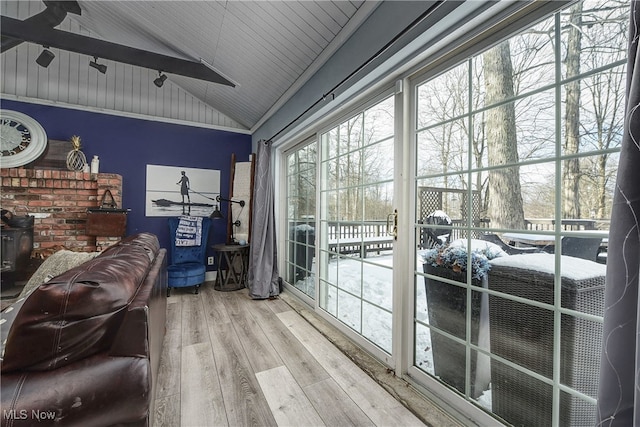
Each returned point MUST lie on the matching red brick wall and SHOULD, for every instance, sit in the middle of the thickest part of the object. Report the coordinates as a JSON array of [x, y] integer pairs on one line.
[[59, 200]]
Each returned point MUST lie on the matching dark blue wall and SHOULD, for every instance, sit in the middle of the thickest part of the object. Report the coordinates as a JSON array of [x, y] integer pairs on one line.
[[126, 145]]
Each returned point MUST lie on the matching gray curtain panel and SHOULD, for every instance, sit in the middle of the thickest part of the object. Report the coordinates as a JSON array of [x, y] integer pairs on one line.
[[619, 388], [263, 266]]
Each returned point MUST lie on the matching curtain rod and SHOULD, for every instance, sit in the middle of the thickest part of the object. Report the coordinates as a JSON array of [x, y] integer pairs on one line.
[[390, 43]]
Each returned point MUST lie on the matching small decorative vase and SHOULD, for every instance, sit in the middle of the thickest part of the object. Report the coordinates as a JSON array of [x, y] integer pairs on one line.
[[95, 165], [76, 160]]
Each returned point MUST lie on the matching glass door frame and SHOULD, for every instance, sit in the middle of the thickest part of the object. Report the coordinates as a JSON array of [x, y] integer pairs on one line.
[[391, 360], [403, 307]]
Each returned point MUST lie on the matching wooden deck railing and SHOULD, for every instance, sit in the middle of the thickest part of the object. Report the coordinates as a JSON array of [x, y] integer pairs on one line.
[[349, 237], [358, 237], [354, 237], [566, 224]]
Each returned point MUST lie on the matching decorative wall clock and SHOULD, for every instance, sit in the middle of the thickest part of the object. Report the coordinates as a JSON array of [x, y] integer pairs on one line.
[[22, 139]]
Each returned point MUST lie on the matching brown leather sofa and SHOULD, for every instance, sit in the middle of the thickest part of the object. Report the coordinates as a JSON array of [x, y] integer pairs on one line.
[[83, 349]]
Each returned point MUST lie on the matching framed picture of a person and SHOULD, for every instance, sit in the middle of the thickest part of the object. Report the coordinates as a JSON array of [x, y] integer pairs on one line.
[[176, 190]]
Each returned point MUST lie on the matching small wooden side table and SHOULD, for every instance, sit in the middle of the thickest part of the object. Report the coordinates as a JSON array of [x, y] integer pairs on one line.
[[233, 262]]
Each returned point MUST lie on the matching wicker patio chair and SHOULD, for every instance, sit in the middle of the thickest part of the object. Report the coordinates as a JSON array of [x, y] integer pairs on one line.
[[511, 250], [523, 334], [579, 247]]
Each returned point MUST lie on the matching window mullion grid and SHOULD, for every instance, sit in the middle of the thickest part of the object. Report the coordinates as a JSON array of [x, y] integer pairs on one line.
[[360, 200], [322, 243], [468, 313], [557, 298]]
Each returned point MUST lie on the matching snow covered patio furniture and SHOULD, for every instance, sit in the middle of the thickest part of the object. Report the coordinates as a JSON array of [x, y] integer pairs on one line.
[[453, 203], [302, 238], [434, 237], [523, 334]]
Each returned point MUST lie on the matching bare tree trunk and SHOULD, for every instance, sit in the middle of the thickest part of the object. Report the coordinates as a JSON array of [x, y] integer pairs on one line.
[[479, 145], [445, 153], [505, 193], [601, 187], [571, 169]]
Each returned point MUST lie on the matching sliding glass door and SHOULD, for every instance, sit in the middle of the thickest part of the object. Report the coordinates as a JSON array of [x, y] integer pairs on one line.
[[516, 149], [493, 287], [301, 170], [357, 223]]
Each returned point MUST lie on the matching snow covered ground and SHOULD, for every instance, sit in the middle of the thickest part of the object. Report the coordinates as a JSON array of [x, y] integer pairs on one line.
[[377, 328]]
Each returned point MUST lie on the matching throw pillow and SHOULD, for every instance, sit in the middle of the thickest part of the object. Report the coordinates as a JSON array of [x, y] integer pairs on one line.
[[54, 265]]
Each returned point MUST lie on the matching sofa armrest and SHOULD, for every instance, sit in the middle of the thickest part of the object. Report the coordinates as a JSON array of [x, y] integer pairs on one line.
[[143, 327], [98, 390]]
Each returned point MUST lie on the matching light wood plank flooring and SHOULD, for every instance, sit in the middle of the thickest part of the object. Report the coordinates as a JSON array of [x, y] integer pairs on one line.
[[231, 361]]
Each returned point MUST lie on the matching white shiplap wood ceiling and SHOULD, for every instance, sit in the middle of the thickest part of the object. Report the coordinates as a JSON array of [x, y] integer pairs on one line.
[[266, 47]]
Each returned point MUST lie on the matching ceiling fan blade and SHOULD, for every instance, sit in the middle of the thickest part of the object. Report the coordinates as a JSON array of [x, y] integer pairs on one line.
[[77, 43], [52, 16]]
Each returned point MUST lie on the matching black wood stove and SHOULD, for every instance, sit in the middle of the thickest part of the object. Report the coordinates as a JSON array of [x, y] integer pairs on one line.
[[16, 247]]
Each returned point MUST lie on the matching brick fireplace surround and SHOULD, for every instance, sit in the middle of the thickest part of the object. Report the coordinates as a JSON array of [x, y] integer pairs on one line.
[[58, 199]]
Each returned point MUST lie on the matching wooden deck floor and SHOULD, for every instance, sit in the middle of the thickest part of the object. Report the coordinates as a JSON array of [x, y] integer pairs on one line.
[[231, 361]]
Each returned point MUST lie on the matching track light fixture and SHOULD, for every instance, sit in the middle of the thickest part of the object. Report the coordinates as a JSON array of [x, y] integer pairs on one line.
[[45, 57], [160, 80], [100, 67]]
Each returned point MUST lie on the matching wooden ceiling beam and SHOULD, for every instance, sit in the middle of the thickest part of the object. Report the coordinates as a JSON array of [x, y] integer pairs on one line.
[[50, 37]]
